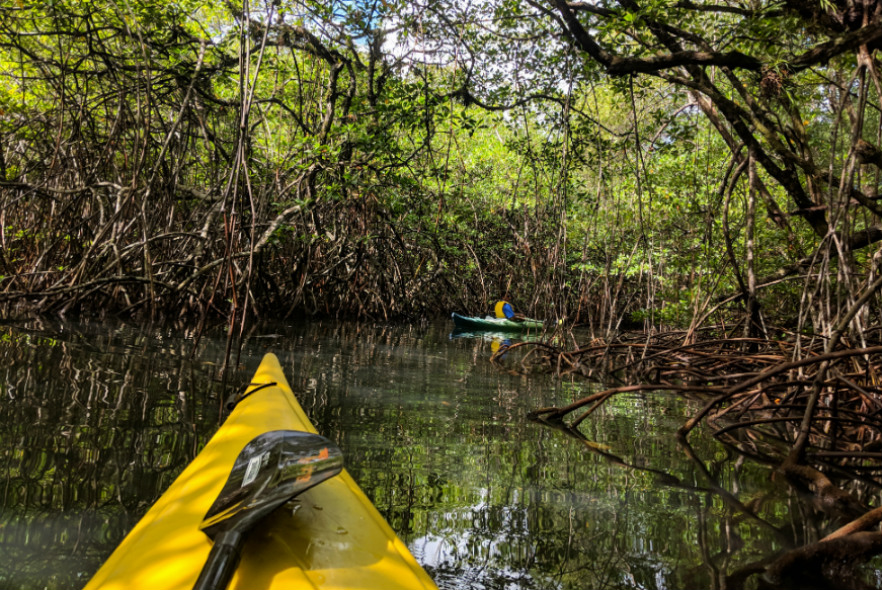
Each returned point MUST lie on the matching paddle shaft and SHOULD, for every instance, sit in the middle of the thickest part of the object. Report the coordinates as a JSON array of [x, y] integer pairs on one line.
[[221, 562]]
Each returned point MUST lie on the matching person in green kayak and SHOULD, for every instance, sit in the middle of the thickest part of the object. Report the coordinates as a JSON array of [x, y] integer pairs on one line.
[[504, 310]]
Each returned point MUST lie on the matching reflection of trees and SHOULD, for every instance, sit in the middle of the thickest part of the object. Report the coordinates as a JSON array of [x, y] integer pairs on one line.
[[730, 557], [441, 444], [438, 439], [808, 408], [94, 425]]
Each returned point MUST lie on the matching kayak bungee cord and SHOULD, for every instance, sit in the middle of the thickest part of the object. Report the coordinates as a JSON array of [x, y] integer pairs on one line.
[[234, 399]]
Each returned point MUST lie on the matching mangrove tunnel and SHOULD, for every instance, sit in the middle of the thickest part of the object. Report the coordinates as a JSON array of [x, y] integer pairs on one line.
[[688, 193]]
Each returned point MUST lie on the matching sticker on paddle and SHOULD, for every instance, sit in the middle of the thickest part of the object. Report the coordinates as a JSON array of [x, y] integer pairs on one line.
[[253, 468]]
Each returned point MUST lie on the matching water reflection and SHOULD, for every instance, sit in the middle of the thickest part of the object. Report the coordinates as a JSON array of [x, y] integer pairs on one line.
[[95, 422], [98, 419]]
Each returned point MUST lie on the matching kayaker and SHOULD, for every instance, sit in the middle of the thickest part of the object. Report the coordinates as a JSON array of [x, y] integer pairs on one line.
[[504, 310]]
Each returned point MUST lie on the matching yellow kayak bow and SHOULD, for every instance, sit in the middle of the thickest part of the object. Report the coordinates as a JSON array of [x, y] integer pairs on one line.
[[334, 540]]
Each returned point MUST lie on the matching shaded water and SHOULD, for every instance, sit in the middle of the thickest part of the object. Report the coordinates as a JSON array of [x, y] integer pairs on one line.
[[96, 420]]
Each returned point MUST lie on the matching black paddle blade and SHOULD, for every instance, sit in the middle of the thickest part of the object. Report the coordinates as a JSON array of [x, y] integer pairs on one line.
[[270, 470]]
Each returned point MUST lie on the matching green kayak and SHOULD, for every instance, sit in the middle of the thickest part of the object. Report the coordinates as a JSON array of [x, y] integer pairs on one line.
[[491, 324]]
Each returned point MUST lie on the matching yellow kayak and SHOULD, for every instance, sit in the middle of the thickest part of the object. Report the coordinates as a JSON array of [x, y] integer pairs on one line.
[[334, 539]]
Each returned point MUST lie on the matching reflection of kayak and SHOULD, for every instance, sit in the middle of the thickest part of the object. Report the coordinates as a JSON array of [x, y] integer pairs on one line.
[[491, 324], [485, 335], [329, 537]]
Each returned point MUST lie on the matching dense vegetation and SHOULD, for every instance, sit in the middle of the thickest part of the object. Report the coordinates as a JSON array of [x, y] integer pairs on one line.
[[599, 163], [174, 159]]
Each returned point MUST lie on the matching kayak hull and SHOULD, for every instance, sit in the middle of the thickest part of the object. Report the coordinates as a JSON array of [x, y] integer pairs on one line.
[[491, 324], [331, 537]]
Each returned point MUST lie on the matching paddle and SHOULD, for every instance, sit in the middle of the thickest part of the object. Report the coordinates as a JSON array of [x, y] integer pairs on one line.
[[270, 470]]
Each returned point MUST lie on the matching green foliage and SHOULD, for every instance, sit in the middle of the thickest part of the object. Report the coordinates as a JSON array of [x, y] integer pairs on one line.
[[439, 151]]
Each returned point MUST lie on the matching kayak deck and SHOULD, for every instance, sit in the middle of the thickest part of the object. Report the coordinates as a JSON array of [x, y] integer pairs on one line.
[[331, 537], [495, 324]]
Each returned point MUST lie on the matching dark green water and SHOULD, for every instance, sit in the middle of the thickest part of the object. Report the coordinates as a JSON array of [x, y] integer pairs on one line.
[[97, 419]]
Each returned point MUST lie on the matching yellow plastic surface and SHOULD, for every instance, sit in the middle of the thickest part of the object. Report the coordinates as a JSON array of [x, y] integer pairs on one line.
[[336, 539]]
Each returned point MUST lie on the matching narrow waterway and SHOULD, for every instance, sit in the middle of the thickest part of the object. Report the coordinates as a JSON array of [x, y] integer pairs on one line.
[[97, 419]]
